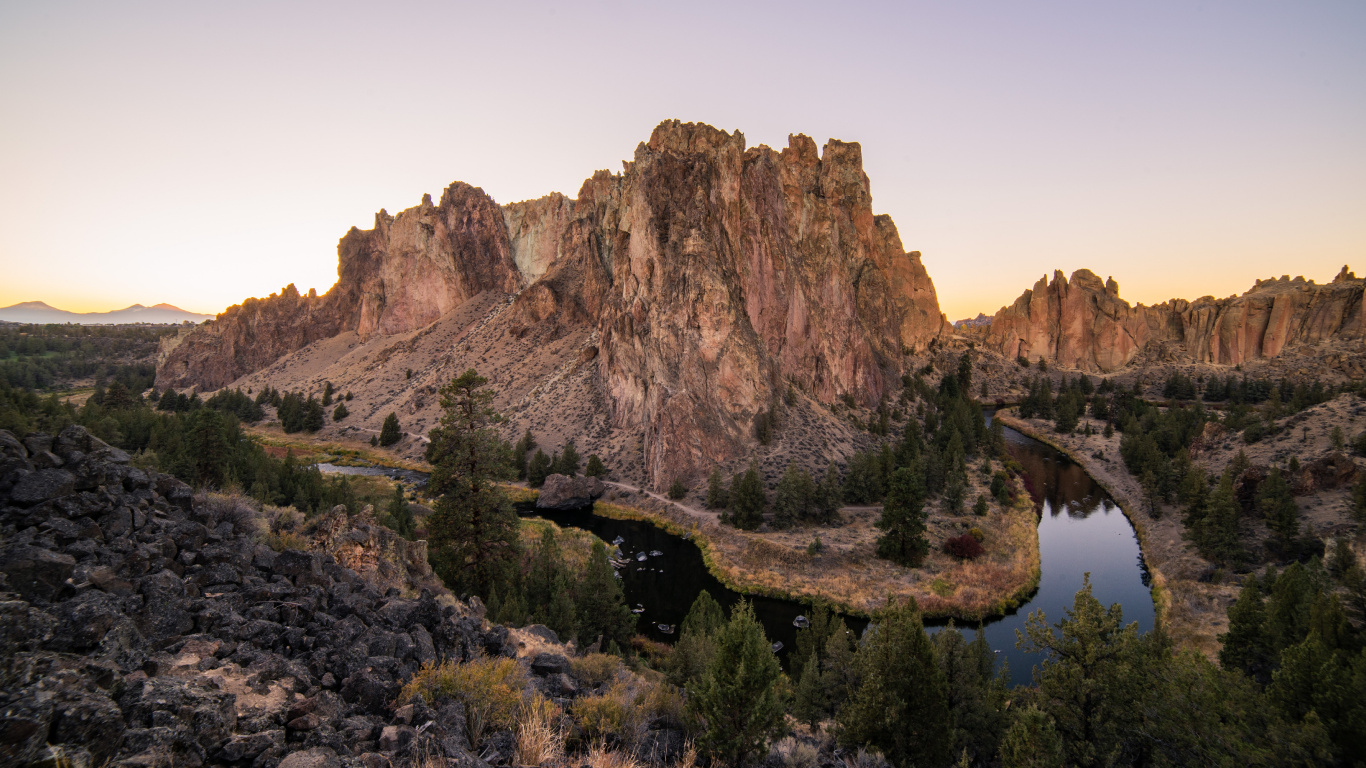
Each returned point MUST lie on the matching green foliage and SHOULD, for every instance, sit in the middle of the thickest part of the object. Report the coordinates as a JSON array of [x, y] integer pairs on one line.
[[1032, 741], [696, 641], [473, 531], [390, 432], [539, 469], [595, 467], [903, 520], [980, 506], [327, 394], [747, 500], [808, 701], [677, 489], [1277, 506], [567, 462], [794, 500], [976, 694], [900, 705], [601, 606], [53, 356], [739, 700], [718, 497], [398, 516]]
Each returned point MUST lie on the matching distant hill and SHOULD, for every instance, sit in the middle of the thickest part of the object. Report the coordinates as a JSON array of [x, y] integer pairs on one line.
[[973, 322], [38, 312]]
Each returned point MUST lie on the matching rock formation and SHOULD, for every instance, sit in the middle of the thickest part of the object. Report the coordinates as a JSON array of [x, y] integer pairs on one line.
[[1083, 323], [563, 492], [142, 625], [711, 275]]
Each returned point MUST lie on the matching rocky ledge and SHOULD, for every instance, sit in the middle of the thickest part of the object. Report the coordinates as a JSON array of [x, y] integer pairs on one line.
[[144, 625]]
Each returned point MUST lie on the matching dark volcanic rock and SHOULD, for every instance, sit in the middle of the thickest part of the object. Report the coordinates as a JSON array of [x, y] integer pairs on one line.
[[563, 492]]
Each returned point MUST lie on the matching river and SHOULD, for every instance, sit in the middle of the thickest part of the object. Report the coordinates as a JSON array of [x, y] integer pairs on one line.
[[1081, 530]]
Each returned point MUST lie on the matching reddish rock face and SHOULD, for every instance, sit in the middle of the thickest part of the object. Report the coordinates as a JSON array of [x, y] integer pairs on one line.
[[1083, 323], [715, 276]]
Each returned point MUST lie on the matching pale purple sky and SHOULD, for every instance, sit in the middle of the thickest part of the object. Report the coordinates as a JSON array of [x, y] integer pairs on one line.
[[201, 153]]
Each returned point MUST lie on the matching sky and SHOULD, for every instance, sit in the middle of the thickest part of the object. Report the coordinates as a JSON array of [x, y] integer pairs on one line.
[[198, 153]]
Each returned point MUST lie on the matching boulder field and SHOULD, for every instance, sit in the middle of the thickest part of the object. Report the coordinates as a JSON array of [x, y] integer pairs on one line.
[[142, 624]]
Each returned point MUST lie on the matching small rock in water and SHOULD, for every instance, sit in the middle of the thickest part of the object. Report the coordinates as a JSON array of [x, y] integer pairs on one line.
[[801, 622], [656, 553], [667, 629], [641, 557], [638, 609], [618, 541], [778, 646]]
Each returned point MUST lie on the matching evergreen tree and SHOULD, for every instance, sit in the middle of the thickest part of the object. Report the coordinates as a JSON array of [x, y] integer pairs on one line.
[[900, 705], [538, 470], [1245, 646], [792, 498], [313, 415], [808, 701], [980, 507], [208, 447], [976, 695], [677, 489], [739, 700], [717, 495], [903, 520], [473, 531], [519, 453], [595, 467], [839, 673], [1277, 506], [1091, 677], [828, 495], [569, 460], [327, 394], [1218, 537], [696, 641], [546, 567], [602, 608], [747, 499], [390, 432], [1032, 741], [397, 514], [340, 412]]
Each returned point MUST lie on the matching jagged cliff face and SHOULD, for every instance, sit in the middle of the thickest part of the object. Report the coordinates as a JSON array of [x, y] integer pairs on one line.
[[1082, 323], [712, 276]]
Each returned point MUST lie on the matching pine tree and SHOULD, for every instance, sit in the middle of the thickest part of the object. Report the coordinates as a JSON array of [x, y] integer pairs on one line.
[[547, 565], [519, 453], [569, 460], [717, 495], [903, 520], [208, 447], [677, 490], [398, 516], [792, 497], [327, 394], [1246, 646], [839, 674], [473, 532], [747, 499], [739, 700], [340, 412], [595, 467], [900, 705], [828, 495], [1032, 741], [1277, 506], [539, 469], [602, 608], [808, 701], [980, 506], [696, 641], [390, 432]]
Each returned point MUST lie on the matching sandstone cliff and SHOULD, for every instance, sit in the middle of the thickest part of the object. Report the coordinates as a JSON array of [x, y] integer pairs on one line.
[[705, 278], [1083, 323]]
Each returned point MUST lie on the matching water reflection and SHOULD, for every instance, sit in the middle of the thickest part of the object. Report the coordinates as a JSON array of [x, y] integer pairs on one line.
[[1080, 531]]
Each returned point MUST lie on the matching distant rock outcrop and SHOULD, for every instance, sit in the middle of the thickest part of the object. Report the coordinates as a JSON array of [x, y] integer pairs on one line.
[[712, 275], [1083, 323]]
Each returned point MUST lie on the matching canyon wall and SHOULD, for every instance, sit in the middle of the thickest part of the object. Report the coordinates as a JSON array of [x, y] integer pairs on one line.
[[712, 275], [1082, 323]]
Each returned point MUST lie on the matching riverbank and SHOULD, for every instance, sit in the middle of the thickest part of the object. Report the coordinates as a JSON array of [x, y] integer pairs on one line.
[[1190, 602], [844, 569]]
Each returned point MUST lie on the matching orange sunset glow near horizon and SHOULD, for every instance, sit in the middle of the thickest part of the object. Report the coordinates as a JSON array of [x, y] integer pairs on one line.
[[196, 155]]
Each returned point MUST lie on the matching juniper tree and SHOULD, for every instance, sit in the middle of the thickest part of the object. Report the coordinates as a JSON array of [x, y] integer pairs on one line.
[[602, 609], [900, 705], [739, 700], [538, 469], [903, 520], [473, 531], [1277, 505], [717, 495], [696, 641], [595, 467], [747, 499], [390, 432]]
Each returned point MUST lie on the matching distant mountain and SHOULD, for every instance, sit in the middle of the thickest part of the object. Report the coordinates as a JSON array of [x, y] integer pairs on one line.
[[973, 322], [38, 312]]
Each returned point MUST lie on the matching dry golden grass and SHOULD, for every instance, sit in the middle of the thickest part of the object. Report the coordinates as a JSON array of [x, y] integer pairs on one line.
[[600, 756], [540, 734], [596, 668]]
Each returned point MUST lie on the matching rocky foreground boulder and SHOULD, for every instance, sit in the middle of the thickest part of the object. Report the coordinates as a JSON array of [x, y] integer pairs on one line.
[[144, 625]]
